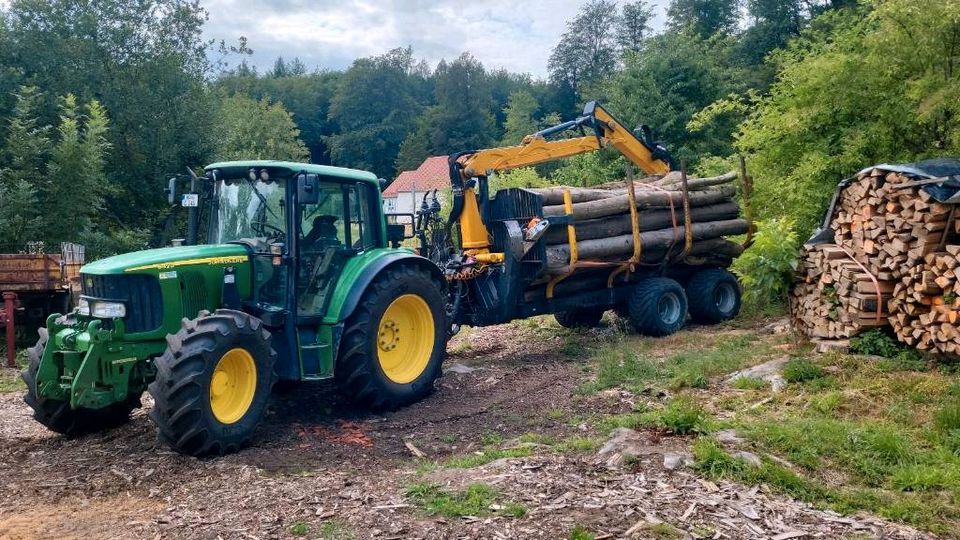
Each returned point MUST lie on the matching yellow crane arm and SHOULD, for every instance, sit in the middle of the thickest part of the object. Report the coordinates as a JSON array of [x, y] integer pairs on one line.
[[536, 149]]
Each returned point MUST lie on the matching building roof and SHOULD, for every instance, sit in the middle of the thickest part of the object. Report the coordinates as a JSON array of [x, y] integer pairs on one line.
[[433, 173]]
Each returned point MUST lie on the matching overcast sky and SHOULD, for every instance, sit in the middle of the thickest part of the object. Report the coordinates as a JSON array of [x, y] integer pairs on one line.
[[514, 34]]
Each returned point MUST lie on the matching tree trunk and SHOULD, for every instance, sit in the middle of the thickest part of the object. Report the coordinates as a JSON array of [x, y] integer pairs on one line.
[[620, 204], [650, 220], [554, 195], [619, 247]]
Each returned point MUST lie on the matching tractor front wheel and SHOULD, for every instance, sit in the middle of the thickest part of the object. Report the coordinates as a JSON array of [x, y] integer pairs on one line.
[[393, 344], [213, 383], [58, 416]]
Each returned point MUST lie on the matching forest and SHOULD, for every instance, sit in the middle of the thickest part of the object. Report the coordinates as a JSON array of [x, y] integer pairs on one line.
[[102, 101]]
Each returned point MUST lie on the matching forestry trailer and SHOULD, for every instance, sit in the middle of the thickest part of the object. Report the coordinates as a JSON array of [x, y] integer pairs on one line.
[[303, 278]]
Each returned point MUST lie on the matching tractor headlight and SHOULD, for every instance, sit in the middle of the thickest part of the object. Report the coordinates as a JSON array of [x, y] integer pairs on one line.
[[101, 309], [83, 307], [107, 310]]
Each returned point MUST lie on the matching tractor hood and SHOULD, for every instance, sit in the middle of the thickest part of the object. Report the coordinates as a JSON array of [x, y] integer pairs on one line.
[[170, 258]]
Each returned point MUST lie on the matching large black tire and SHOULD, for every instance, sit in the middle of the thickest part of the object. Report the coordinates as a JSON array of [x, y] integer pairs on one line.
[[580, 318], [658, 307], [192, 369], [360, 373], [714, 296], [58, 416]]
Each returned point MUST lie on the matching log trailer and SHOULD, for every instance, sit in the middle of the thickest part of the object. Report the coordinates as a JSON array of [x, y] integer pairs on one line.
[[304, 278]]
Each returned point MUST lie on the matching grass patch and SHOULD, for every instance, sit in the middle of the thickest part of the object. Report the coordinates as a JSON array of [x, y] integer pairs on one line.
[[798, 370], [580, 533], [476, 500], [750, 383], [298, 528], [664, 531], [682, 416], [621, 365], [335, 530], [10, 380], [485, 456]]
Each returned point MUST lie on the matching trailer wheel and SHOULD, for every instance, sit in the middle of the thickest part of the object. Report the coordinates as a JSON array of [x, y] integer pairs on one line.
[[58, 416], [580, 318], [394, 343], [658, 307], [213, 383], [714, 296]]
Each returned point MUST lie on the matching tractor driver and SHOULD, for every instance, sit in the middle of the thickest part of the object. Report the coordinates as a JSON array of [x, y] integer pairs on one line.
[[322, 235]]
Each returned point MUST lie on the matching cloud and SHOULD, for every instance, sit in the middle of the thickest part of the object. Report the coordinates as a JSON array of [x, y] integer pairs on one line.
[[330, 34]]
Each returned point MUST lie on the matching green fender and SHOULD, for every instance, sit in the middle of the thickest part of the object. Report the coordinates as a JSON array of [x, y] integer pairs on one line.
[[360, 272]]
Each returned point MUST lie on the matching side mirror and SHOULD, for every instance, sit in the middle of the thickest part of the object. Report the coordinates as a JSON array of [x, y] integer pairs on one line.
[[308, 188], [383, 184], [172, 190]]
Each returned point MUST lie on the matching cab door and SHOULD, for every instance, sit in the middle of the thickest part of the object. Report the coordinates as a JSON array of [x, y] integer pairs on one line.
[[331, 231]]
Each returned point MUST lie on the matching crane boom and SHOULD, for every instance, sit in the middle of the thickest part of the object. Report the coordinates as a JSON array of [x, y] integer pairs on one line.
[[536, 149]]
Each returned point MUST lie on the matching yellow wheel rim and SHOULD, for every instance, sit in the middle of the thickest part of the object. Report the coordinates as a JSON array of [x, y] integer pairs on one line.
[[232, 386], [405, 338]]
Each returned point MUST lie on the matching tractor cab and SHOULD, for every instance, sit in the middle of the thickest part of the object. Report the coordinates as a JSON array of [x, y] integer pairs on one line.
[[300, 223]]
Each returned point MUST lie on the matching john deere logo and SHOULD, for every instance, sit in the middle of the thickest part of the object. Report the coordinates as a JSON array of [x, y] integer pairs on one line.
[[89, 282]]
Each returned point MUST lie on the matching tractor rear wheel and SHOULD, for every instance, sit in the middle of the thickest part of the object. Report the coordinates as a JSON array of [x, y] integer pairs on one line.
[[714, 296], [658, 307], [57, 415], [213, 383], [394, 343], [580, 318]]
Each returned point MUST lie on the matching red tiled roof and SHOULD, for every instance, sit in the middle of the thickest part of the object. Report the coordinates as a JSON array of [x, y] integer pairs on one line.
[[433, 173]]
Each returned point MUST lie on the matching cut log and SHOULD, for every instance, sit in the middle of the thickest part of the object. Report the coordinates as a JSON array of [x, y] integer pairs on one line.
[[554, 195], [654, 241], [650, 220], [620, 204]]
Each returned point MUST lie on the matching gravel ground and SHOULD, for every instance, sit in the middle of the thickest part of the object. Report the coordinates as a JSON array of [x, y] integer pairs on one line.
[[344, 473]]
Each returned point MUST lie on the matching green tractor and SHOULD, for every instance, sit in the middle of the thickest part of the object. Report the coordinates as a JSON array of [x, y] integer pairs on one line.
[[302, 279]]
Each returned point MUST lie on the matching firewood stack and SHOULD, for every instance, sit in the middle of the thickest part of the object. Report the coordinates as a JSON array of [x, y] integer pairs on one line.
[[892, 242], [888, 222], [926, 303], [604, 227], [834, 297]]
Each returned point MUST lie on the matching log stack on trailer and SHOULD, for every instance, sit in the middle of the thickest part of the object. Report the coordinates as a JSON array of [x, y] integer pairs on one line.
[[674, 224], [889, 240]]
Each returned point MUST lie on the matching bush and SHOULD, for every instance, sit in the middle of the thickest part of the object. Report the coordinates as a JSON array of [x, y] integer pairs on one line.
[[878, 343], [683, 416], [766, 268], [799, 370]]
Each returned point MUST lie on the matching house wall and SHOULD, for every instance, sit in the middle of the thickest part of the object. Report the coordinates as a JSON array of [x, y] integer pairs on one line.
[[404, 203]]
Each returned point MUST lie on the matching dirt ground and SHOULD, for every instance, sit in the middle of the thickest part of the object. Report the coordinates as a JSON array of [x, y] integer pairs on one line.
[[342, 473]]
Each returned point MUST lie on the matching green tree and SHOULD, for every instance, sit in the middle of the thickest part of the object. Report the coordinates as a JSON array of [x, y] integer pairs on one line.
[[856, 89], [461, 118], [76, 181], [674, 76], [25, 148], [634, 25], [375, 107], [521, 118], [587, 51], [146, 63], [705, 17], [250, 129]]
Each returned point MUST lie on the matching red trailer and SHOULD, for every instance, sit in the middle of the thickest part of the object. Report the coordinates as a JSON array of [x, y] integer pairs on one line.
[[33, 285]]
